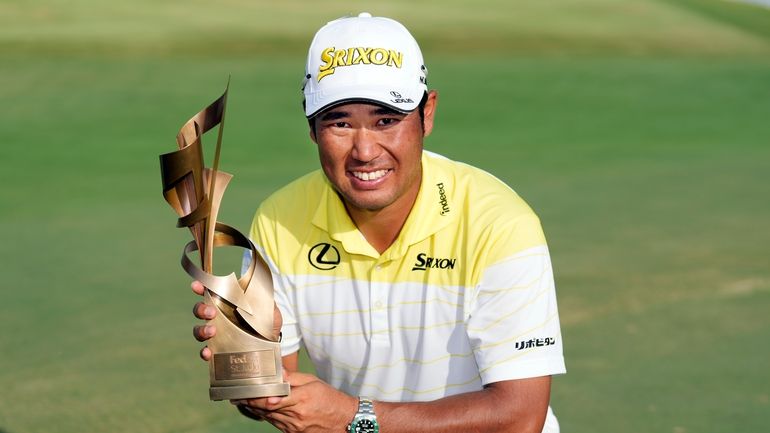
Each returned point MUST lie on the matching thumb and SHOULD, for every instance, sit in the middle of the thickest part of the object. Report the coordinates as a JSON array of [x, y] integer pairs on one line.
[[298, 379]]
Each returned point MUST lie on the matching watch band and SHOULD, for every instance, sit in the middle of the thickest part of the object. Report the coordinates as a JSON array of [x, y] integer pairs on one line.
[[365, 414], [365, 406]]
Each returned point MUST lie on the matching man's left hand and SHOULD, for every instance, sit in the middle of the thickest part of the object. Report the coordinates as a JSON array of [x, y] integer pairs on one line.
[[312, 406]]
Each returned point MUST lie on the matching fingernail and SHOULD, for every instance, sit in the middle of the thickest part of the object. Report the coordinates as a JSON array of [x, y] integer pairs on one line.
[[208, 331], [209, 311]]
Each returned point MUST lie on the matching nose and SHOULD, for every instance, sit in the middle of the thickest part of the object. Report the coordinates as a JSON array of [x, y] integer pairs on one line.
[[365, 145]]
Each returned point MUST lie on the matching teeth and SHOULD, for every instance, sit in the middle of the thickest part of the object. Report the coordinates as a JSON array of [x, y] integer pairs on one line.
[[370, 175]]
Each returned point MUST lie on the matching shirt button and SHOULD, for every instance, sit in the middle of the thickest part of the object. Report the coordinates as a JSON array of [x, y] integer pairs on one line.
[[378, 267], [378, 304]]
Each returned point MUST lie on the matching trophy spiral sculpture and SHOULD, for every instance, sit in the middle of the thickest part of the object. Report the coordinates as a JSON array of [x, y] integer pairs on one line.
[[246, 360]]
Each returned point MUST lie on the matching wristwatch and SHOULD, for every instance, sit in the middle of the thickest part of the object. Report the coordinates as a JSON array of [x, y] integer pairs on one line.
[[365, 421]]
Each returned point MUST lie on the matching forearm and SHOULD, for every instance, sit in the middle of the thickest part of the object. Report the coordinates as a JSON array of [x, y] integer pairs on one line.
[[511, 406], [291, 362]]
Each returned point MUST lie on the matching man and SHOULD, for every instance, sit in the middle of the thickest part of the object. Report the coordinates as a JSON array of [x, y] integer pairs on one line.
[[420, 287]]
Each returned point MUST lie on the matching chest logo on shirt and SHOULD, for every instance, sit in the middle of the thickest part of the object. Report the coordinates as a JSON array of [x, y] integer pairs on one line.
[[442, 200], [424, 262], [324, 256]]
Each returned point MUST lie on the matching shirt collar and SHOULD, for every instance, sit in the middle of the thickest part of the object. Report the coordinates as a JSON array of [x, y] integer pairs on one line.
[[428, 214]]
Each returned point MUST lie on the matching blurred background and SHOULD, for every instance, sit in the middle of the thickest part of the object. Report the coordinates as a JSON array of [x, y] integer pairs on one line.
[[639, 130]]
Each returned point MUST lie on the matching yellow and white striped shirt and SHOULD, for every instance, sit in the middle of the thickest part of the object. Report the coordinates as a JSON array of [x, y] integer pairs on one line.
[[463, 297]]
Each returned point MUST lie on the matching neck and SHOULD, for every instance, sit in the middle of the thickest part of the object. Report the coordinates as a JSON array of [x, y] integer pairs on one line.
[[381, 227]]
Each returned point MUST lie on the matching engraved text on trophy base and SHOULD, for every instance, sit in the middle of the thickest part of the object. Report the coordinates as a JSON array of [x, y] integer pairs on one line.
[[244, 365]]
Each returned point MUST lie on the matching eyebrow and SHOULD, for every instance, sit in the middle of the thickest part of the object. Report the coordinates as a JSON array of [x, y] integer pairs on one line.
[[376, 110], [385, 111], [334, 115]]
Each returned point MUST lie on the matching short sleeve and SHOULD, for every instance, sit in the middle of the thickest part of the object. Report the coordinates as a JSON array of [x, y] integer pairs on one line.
[[263, 237], [513, 324]]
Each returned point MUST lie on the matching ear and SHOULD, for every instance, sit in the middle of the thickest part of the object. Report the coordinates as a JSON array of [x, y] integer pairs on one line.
[[429, 112]]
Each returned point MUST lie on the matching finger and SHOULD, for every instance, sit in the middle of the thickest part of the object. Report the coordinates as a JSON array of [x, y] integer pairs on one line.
[[298, 379], [282, 426], [254, 414], [204, 332], [269, 403], [198, 287], [205, 353], [256, 403], [280, 420], [204, 311]]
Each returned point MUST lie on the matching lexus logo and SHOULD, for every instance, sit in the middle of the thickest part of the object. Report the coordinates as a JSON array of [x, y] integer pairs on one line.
[[395, 94], [324, 256]]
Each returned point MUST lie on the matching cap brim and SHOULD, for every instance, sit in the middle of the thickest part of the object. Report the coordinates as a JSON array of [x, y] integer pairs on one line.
[[358, 101], [315, 104]]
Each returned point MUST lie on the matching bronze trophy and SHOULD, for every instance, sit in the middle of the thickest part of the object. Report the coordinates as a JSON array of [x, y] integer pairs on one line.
[[246, 360]]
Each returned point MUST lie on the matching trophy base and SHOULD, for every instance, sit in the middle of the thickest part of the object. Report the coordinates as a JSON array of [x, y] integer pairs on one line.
[[242, 365], [248, 391]]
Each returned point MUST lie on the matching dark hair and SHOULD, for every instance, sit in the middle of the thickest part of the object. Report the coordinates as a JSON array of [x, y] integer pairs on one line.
[[421, 107], [420, 110]]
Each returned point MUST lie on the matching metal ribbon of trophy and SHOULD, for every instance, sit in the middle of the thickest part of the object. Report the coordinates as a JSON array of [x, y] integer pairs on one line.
[[246, 354]]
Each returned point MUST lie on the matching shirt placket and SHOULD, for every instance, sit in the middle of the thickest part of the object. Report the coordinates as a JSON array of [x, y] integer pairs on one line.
[[378, 304]]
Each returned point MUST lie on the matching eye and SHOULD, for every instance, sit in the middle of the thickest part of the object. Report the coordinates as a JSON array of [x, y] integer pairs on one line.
[[339, 124], [387, 121]]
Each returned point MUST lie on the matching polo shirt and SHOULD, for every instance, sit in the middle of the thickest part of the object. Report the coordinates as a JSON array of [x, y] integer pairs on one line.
[[464, 296]]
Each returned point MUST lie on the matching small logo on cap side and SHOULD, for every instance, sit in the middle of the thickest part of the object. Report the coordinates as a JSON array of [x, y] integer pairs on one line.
[[333, 58], [400, 99]]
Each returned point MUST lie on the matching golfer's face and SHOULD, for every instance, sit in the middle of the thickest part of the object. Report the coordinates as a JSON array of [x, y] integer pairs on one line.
[[371, 154]]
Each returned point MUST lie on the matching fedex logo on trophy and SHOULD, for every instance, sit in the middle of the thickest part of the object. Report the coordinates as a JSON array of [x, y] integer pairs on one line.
[[333, 58], [243, 363]]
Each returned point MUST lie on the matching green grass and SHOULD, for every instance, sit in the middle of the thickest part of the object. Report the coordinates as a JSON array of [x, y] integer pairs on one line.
[[638, 130]]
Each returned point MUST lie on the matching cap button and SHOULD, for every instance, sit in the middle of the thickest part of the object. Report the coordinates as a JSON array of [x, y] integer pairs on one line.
[[364, 15]]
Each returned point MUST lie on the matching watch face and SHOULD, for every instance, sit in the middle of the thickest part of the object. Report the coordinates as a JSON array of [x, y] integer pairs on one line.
[[365, 426]]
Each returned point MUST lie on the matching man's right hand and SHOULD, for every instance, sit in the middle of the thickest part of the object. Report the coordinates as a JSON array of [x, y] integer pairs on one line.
[[204, 312]]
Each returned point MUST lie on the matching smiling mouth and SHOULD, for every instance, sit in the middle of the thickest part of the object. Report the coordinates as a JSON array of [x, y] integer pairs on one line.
[[369, 175]]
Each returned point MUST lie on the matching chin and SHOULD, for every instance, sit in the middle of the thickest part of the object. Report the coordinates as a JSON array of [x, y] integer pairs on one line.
[[370, 204], [367, 206]]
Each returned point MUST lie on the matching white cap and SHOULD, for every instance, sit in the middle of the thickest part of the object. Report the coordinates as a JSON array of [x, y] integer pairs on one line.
[[364, 58]]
